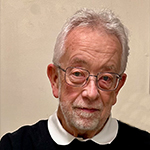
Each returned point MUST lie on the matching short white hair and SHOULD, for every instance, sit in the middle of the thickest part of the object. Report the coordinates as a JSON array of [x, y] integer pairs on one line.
[[105, 20]]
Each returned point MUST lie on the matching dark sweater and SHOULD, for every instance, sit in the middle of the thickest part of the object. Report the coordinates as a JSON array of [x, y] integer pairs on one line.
[[37, 137]]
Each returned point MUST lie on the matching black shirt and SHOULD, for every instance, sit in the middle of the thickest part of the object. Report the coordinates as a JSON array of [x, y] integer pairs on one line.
[[37, 137]]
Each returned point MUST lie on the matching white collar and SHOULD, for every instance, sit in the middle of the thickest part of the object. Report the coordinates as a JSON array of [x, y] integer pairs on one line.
[[62, 137]]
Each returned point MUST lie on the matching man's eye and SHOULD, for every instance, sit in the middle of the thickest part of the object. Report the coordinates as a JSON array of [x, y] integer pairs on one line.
[[77, 74], [106, 78]]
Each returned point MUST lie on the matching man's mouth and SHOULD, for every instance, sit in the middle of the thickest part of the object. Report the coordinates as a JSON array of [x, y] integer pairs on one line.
[[88, 110]]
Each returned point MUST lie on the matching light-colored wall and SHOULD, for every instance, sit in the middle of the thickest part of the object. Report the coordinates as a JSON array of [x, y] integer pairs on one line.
[[28, 32]]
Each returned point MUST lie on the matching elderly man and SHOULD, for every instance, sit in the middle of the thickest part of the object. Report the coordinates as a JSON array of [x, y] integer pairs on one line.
[[87, 73]]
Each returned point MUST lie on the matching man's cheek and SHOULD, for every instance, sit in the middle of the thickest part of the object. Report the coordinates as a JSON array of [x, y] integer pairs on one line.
[[69, 92], [108, 98]]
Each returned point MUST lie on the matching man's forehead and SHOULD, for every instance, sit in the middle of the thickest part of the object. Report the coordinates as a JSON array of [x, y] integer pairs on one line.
[[92, 38], [90, 46]]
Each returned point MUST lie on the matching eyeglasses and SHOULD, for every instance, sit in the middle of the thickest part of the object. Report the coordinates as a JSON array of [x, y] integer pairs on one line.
[[78, 77]]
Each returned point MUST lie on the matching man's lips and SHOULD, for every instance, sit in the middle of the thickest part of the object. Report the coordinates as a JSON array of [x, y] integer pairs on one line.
[[85, 109]]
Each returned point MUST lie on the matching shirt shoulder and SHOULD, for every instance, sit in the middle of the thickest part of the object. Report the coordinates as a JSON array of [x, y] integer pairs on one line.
[[133, 135], [27, 137]]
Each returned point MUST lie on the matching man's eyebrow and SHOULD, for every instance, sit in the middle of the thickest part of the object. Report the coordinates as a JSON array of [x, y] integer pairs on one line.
[[108, 68], [78, 61]]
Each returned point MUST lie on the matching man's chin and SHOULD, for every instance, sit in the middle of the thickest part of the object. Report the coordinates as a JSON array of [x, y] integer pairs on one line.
[[85, 123]]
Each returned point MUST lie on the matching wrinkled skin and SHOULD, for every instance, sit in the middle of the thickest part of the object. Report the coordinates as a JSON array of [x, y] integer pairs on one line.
[[83, 111]]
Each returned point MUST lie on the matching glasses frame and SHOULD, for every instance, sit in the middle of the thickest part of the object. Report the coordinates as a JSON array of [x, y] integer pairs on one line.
[[119, 77]]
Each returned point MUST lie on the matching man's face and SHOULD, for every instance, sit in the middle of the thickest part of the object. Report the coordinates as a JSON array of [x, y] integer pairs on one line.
[[87, 108]]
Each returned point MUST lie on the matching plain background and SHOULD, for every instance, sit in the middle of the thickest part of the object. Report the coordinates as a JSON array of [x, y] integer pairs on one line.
[[28, 32]]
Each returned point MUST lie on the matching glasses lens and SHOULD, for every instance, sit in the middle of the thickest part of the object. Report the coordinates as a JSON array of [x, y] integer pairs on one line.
[[76, 76], [107, 81]]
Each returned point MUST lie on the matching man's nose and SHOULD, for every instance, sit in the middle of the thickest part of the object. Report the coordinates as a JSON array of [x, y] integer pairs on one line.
[[91, 90]]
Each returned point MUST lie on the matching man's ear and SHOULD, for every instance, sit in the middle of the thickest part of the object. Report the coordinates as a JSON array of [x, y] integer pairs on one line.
[[121, 83], [53, 77]]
